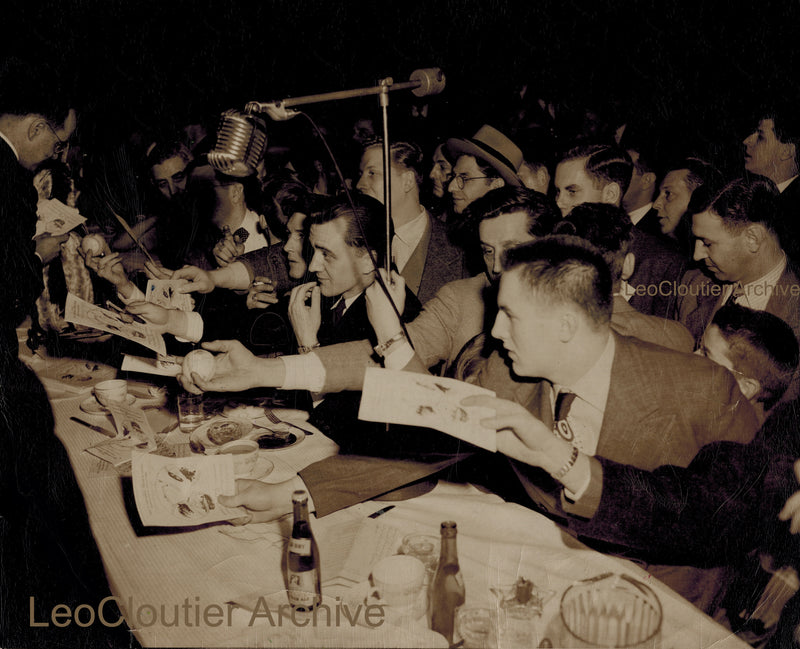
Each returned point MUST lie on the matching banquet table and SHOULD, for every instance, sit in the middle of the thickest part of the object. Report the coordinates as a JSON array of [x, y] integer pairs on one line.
[[171, 582]]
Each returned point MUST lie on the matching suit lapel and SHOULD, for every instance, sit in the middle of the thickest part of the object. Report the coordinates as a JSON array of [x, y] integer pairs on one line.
[[630, 404], [415, 267]]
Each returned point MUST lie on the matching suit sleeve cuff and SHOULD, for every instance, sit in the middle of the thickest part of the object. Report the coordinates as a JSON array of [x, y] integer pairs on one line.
[[585, 501], [303, 372]]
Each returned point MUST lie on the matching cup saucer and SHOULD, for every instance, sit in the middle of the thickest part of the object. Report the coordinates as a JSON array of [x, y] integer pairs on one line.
[[92, 406]]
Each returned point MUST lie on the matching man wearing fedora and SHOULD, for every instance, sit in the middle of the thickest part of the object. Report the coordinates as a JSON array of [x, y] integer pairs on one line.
[[486, 161]]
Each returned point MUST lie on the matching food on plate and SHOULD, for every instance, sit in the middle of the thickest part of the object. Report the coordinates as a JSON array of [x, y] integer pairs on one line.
[[224, 431]]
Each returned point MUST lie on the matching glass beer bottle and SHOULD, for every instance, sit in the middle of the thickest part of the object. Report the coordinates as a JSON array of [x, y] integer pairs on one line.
[[302, 559], [447, 589]]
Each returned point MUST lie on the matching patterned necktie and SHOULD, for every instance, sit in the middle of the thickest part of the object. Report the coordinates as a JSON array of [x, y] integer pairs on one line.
[[561, 427], [240, 236]]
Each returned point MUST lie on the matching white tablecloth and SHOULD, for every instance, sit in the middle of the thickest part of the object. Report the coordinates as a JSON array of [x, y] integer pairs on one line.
[[189, 570]]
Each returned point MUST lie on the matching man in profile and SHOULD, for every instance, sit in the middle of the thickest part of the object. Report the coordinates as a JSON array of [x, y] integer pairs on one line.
[[47, 551]]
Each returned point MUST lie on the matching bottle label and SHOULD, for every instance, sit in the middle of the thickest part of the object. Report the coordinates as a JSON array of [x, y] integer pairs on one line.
[[303, 588], [300, 547]]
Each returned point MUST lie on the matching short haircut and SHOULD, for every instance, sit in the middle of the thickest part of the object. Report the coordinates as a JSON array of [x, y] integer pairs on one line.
[[786, 124], [406, 155], [744, 201], [760, 346], [565, 269], [607, 227], [161, 152], [366, 225], [605, 164], [33, 89], [542, 212]]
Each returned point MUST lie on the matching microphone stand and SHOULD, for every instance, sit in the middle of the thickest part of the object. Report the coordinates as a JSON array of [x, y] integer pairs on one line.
[[422, 82]]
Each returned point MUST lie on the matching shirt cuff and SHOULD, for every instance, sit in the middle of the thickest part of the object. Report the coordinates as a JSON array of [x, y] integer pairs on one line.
[[399, 356], [136, 296], [587, 500], [303, 372], [194, 328]]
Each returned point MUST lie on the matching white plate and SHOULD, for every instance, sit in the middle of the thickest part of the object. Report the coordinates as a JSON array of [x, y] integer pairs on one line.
[[200, 442], [93, 407], [262, 468]]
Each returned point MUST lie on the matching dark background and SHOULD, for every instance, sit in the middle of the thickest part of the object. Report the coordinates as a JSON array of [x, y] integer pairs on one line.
[[151, 66]]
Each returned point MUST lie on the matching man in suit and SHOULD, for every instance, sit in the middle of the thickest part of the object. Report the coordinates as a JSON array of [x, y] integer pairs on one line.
[[742, 258], [601, 173], [47, 551], [421, 249], [634, 402], [771, 151]]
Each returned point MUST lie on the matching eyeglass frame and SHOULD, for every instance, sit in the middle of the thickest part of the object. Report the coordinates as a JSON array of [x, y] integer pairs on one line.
[[61, 145], [461, 181]]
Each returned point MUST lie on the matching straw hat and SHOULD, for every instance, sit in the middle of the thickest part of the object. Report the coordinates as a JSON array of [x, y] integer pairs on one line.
[[492, 147]]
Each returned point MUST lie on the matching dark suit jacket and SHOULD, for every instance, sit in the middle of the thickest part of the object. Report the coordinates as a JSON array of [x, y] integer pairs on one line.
[[46, 546], [434, 262], [789, 220], [697, 308], [656, 262]]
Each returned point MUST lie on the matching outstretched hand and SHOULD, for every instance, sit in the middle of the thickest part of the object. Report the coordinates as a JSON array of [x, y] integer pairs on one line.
[[235, 369]]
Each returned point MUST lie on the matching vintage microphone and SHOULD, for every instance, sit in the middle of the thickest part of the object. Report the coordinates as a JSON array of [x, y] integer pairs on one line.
[[241, 142]]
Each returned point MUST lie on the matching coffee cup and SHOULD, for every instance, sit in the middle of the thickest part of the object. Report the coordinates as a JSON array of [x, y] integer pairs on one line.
[[113, 391], [397, 582], [244, 453]]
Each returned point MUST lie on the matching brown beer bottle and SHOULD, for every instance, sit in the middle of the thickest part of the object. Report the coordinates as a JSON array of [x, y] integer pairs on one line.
[[447, 589], [302, 559]]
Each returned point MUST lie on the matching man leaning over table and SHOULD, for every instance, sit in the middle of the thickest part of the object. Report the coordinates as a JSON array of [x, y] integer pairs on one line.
[[47, 551], [636, 403]]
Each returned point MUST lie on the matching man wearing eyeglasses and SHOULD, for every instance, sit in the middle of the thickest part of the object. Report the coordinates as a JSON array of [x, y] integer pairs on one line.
[[484, 162], [47, 552]]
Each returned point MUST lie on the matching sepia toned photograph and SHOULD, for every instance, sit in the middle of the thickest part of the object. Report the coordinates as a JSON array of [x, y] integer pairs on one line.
[[553, 245]]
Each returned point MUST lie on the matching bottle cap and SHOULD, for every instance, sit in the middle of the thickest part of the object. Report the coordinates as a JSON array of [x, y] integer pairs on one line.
[[448, 528], [300, 497]]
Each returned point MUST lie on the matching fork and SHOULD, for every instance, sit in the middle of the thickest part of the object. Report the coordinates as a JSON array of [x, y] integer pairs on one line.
[[272, 416]]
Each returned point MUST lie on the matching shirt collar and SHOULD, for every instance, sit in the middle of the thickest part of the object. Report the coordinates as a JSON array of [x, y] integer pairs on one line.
[[411, 232], [11, 146], [770, 278], [785, 184], [638, 214], [593, 386], [348, 302]]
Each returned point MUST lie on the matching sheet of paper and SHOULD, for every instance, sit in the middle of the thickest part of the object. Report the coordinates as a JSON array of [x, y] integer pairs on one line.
[[74, 375], [398, 397], [55, 218], [373, 542], [163, 293], [180, 492], [131, 423], [84, 313], [161, 366], [113, 451]]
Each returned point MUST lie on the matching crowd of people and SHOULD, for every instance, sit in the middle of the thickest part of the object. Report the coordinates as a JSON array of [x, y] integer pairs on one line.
[[637, 316]]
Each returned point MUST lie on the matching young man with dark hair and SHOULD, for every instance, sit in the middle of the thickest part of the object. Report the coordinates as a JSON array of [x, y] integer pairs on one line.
[[758, 347], [610, 229], [601, 173], [771, 150], [737, 243]]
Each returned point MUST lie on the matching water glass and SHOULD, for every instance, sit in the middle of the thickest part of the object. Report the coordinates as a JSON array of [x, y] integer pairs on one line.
[[190, 411]]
